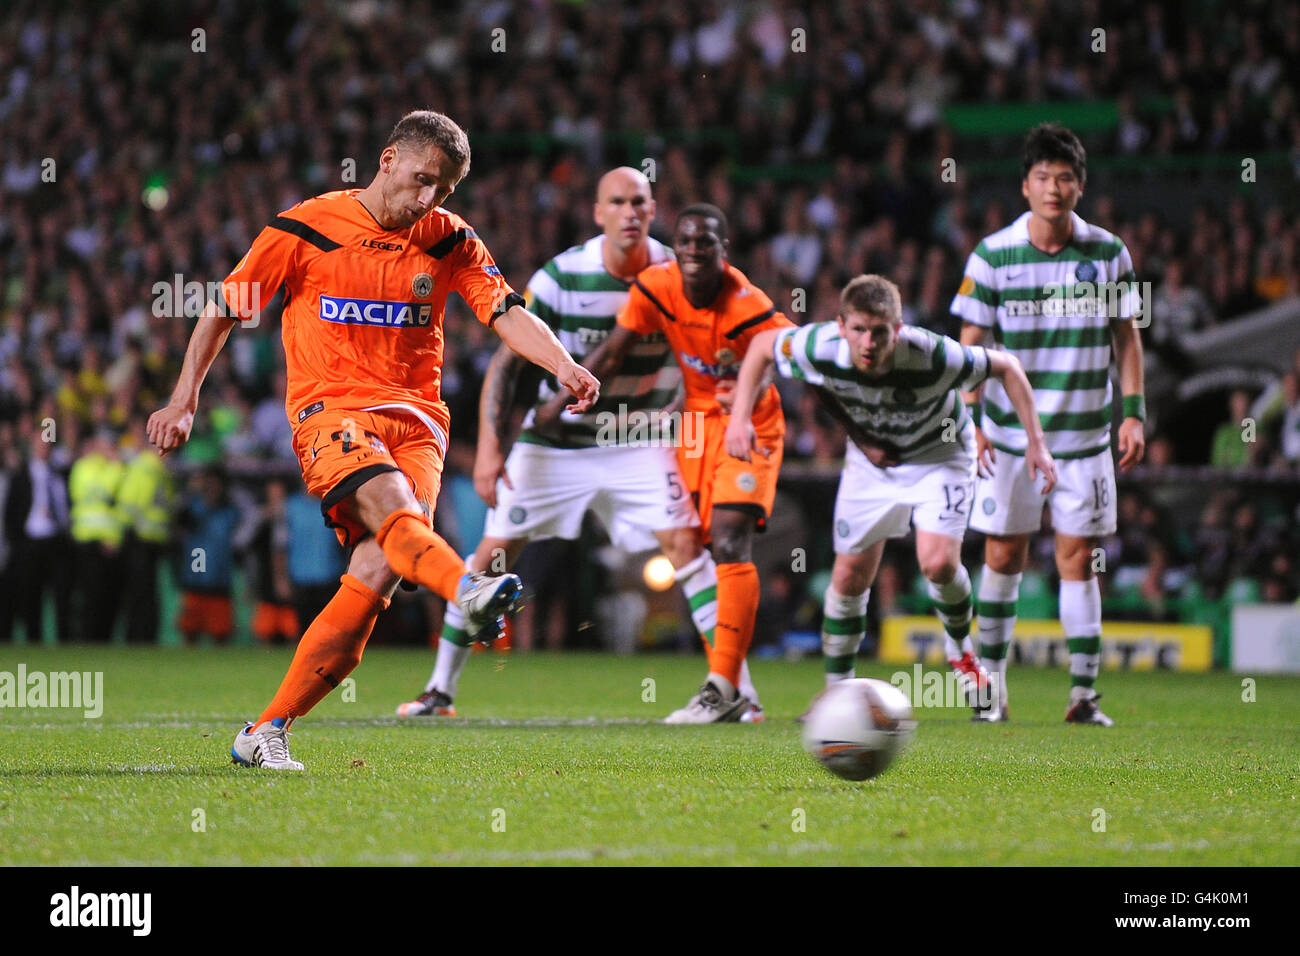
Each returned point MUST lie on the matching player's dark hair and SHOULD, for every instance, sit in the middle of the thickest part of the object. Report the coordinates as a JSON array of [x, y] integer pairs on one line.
[[872, 295], [706, 211], [423, 128], [1052, 143]]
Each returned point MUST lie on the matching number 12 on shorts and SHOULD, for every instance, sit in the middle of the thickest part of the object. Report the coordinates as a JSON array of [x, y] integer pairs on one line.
[[955, 499]]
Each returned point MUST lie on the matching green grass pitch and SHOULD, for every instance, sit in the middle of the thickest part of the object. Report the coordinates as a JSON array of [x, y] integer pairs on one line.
[[558, 760]]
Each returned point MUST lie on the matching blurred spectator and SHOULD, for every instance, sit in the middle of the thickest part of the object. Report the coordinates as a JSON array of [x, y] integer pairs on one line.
[[96, 539], [205, 559], [269, 425], [263, 541], [316, 561], [1213, 547], [1284, 414], [10, 462], [36, 523], [796, 250], [146, 500], [1176, 311], [1230, 449]]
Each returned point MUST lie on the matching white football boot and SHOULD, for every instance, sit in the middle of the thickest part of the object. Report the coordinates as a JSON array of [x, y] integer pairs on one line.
[[1000, 712], [265, 746], [718, 702], [485, 600]]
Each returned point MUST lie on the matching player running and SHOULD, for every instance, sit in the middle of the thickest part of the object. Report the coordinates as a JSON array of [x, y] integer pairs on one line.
[[367, 273], [710, 312], [1058, 294], [596, 460], [896, 389]]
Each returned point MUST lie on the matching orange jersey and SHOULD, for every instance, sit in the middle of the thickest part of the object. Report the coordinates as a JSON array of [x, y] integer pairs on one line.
[[711, 342], [362, 327]]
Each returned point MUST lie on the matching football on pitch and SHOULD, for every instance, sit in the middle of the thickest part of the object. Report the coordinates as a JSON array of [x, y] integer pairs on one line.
[[857, 727]]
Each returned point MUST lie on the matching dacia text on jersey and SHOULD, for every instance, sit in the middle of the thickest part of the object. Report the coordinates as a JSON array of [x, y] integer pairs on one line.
[[375, 312]]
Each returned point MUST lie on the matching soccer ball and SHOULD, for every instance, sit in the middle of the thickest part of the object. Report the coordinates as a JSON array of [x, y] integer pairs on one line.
[[856, 728]]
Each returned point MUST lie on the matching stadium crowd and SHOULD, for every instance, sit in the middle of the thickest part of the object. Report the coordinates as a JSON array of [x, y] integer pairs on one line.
[[146, 147]]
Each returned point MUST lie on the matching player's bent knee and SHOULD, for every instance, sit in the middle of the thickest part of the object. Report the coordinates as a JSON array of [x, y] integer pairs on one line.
[[383, 495], [940, 570], [733, 534], [852, 574], [731, 547], [850, 583], [1006, 555]]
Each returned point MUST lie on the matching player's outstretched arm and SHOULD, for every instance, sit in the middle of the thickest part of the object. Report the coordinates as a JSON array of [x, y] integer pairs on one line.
[[602, 362], [985, 455], [756, 369], [1006, 367], [169, 427], [532, 338], [494, 404], [1132, 384]]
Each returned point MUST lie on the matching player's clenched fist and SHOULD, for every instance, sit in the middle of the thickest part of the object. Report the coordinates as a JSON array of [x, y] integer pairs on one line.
[[169, 428], [584, 386]]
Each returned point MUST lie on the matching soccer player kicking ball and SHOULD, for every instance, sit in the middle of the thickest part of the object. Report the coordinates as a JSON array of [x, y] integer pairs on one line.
[[710, 313], [596, 460], [1058, 294], [896, 388], [367, 272]]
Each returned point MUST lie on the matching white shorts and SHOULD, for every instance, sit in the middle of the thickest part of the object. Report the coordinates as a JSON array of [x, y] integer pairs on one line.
[[1082, 503], [634, 492], [877, 503]]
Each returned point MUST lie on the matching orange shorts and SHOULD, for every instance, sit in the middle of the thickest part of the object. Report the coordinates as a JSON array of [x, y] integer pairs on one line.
[[715, 478], [340, 450], [275, 620], [205, 614]]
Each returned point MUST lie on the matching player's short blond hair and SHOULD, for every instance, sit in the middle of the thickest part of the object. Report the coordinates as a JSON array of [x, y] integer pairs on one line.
[[423, 128], [872, 295]]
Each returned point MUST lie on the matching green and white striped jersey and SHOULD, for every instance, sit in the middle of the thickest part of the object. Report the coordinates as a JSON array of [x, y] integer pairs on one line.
[[1053, 312], [914, 406], [580, 301]]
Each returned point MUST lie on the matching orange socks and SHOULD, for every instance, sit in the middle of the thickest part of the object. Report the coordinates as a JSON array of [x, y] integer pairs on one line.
[[419, 555], [328, 652], [737, 607]]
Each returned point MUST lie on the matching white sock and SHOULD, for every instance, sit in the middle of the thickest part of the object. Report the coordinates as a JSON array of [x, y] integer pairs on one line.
[[844, 625], [699, 580], [1081, 619], [746, 685], [952, 605], [451, 655], [997, 618]]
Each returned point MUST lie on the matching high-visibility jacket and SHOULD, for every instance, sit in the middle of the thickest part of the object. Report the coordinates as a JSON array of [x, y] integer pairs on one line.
[[92, 490], [146, 498]]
